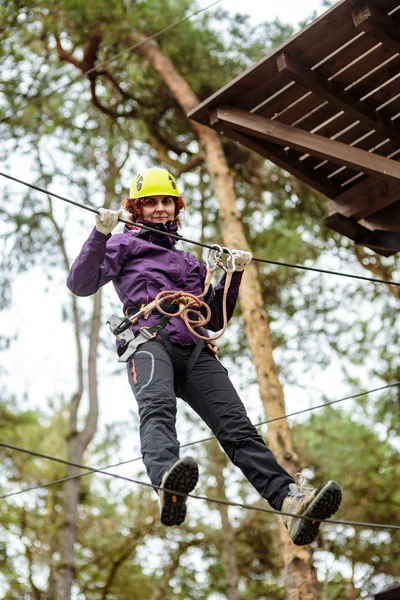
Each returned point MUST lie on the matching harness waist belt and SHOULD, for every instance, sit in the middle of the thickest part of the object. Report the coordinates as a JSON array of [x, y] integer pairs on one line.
[[129, 340]]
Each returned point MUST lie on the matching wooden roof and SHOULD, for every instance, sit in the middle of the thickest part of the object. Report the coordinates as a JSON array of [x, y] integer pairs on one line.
[[325, 106], [390, 594]]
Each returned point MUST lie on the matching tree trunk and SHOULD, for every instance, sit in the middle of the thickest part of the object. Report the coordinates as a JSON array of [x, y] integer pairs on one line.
[[77, 440], [66, 569], [218, 462], [300, 578]]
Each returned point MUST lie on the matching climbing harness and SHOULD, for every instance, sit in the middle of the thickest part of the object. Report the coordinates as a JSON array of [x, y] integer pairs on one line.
[[175, 303]]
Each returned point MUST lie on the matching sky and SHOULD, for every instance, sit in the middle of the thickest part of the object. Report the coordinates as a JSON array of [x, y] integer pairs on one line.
[[287, 11]]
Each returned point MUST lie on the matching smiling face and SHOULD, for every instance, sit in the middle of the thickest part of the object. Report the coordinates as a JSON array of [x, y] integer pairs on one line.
[[158, 209], [144, 208]]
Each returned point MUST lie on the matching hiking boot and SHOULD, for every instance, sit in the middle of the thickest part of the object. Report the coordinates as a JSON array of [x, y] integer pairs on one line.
[[320, 503], [181, 477]]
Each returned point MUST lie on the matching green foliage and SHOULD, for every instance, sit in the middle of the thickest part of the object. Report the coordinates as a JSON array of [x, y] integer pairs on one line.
[[71, 145], [335, 445]]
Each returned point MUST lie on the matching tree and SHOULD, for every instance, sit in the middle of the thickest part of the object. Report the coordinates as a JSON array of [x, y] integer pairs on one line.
[[143, 98]]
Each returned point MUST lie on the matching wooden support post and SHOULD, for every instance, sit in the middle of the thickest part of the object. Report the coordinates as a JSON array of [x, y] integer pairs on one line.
[[316, 145], [378, 25], [336, 95]]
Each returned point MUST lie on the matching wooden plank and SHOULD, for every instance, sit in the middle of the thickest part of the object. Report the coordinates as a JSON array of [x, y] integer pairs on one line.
[[337, 96], [313, 111], [353, 138], [366, 198], [352, 57], [355, 134], [381, 242], [320, 39], [335, 35], [378, 25], [379, 87], [375, 143], [291, 100], [285, 135], [387, 219], [368, 74], [347, 131], [278, 156]]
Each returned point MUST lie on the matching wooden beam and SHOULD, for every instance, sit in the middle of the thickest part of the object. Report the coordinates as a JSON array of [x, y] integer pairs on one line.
[[337, 96], [278, 156], [385, 243], [317, 145], [378, 25], [366, 198]]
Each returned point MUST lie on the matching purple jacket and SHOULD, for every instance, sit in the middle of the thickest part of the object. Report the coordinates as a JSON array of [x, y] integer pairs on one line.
[[140, 264]]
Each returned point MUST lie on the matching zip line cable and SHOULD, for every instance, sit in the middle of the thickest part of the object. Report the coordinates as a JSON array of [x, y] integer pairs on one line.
[[111, 59], [305, 410], [210, 247], [206, 498], [91, 471]]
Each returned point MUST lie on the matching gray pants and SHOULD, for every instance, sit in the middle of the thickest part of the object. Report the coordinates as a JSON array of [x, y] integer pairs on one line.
[[157, 379]]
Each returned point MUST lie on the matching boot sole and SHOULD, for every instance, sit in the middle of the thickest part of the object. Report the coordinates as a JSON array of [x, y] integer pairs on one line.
[[325, 504], [183, 478]]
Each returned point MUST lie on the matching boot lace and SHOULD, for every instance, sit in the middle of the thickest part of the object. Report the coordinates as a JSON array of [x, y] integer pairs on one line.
[[300, 486]]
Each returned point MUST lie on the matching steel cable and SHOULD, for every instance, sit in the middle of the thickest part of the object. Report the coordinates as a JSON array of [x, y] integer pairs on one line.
[[206, 498], [202, 245], [91, 471]]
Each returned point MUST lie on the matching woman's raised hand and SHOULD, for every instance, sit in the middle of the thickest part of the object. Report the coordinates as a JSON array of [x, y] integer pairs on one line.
[[242, 259], [107, 220]]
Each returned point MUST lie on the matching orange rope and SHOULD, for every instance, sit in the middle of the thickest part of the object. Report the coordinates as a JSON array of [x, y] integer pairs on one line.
[[188, 302]]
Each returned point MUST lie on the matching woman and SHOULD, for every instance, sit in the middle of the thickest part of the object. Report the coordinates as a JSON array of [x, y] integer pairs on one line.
[[171, 361]]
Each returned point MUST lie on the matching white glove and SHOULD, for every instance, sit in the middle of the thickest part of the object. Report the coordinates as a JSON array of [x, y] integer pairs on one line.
[[107, 220], [242, 258]]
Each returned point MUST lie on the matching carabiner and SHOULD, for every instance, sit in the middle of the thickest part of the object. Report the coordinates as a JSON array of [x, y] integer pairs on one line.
[[214, 257], [230, 261]]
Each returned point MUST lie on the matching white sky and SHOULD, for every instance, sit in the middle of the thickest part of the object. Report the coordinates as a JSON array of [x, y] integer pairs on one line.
[[288, 11]]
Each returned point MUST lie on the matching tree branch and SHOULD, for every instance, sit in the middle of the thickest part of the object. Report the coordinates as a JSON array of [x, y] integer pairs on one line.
[[131, 114], [161, 591], [116, 564], [115, 84], [91, 50], [162, 151], [375, 266], [65, 56]]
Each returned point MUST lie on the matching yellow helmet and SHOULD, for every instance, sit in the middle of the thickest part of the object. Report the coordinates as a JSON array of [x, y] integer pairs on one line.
[[153, 182]]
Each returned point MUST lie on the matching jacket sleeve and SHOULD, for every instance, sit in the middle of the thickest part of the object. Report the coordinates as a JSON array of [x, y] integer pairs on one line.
[[100, 260], [214, 300]]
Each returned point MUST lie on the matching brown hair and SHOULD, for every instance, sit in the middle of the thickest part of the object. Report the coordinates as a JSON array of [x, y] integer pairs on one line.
[[134, 207]]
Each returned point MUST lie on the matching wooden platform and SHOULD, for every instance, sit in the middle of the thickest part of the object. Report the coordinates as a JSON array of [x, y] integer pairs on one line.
[[325, 106]]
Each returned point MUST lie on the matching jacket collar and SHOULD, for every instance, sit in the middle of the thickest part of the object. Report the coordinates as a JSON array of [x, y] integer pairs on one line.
[[154, 236]]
